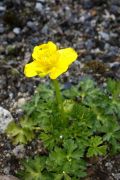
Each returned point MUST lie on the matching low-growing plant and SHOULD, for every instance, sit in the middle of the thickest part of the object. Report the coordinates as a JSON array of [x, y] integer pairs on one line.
[[81, 124]]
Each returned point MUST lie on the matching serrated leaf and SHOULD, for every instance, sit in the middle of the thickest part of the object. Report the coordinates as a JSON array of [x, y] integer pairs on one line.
[[69, 145], [19, 133], [92, 151], [95, 147], [113, 87]]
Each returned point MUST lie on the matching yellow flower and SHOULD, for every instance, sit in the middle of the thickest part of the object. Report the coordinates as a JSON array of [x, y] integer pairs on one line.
[[48, 60]]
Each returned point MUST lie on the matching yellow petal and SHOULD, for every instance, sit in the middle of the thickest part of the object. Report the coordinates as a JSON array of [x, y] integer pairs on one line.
[[66, 57], [35, 54], [31, 69], [34, 68], [52, 47], [41, 50], [57, 72]]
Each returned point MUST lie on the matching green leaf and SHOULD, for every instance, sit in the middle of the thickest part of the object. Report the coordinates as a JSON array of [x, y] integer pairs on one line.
[[95, 147], [34, 169], [113, 87], [67, 177], [20, 133], [58, 176], [69, 146]]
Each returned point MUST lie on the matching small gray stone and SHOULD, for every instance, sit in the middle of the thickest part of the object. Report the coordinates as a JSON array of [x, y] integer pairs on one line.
[[115, 9], [2, 8], [19, 151], [116, 176], [104, 36], [38, 7], [45, 29], [87, 4], [11, 35], [5, 119], [31, 25], [7, 170], [109, 166], [89, 44], [2, 29], [16, 30], [115, 65], [21, 102]]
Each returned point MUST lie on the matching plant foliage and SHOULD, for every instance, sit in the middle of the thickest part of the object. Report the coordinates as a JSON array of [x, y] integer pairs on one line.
[[90, 128]]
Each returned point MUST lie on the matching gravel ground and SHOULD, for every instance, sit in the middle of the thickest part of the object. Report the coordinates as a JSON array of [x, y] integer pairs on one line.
[[92, 27]]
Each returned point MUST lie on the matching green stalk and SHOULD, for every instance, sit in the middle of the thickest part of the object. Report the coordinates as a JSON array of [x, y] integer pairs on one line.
[[58, 97]]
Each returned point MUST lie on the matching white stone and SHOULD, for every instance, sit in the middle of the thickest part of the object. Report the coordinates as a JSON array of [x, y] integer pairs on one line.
[[19, 151], [116, 176], [21, 102], [5, 119], [2, 8], [16, 30], [38, 7]]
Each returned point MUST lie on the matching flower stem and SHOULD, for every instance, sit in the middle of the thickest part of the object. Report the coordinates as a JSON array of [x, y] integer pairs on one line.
[[58, 97]]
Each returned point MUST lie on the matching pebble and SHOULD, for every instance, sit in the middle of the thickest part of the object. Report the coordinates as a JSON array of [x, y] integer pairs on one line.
[[7, 170], [38, 7], [87, 4], [18, 104], [113, 51], [31, 25], [109, 166], [114, 65], [11, 35], [104, 36], [34, 41], [93, 22], [2, 29], [21, 102], [17, 30], [90, 31], [19, 151], [115, 9], [2, 8], [45, 29], [115, 2], [116, 176], [5, 119], [89, 44]]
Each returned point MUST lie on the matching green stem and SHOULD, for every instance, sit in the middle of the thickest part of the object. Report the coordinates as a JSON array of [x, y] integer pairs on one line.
[[58, 97]]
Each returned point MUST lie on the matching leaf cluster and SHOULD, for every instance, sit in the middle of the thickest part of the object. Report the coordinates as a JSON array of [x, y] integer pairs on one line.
[[90, 128]]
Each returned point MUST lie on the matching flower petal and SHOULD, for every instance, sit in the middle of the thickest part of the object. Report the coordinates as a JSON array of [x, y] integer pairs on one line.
[[57, 72], [66, 57], [34, 68], [30, 69], [52, 47], [42, 50], [35, 53]]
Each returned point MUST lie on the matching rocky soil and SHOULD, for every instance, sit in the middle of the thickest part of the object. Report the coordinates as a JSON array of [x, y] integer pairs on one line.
[[92, 27]]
